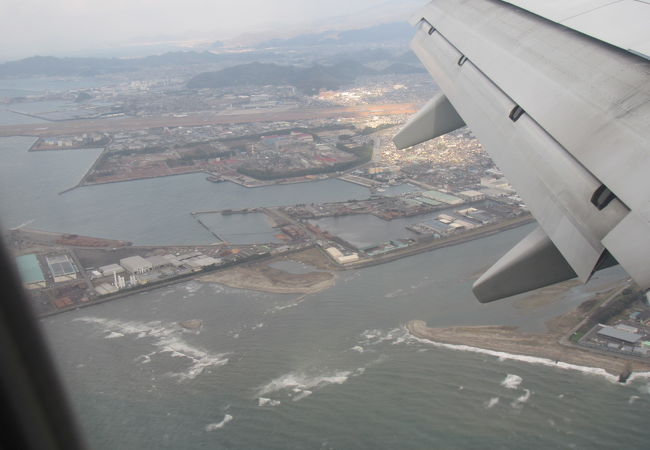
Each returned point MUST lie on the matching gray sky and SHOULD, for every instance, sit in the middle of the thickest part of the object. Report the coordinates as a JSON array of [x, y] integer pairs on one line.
[[71, 27]]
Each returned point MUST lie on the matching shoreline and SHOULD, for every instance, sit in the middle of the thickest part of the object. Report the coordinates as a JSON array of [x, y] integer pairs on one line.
[[535, 348], [551, 347]]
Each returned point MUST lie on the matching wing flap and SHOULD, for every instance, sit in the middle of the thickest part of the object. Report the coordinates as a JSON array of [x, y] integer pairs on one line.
[[436, 118], [629, 243], [533, 263]]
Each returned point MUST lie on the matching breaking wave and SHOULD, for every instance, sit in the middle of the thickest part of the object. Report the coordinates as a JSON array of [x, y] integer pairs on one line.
[[396, 335], [216, 426], [402, 335], [639, 376], [113, 335], [491, 403], [301, 381], [166, 338], [300, 394], [292, 304], [376, 336], [511, 381], [299, 385], [502, 356], [267, 401], [519, 401], [397, 293]]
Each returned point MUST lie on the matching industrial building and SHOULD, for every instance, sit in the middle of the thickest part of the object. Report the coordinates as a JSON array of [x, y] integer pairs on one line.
[[427, 201], [472, 196], [429, 226], [136, 264], [173, 260], [442, 197], [199, 262], [446, 218], [110, 269], [105, 288], [478, 215], [619, 335], [61, 268], [158, 261], [339, 257]]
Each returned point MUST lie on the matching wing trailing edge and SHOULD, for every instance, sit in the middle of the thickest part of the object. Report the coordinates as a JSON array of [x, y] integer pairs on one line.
[[533, 263], [436, 118]]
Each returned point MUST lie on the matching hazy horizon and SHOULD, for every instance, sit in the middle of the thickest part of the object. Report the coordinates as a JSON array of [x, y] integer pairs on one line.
[[123, 28]]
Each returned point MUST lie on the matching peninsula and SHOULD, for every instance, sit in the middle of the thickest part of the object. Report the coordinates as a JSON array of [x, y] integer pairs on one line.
[[557, 346]]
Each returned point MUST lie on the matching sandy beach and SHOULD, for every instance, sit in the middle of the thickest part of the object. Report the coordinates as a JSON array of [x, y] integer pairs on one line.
[[509, 340], [540, 345]]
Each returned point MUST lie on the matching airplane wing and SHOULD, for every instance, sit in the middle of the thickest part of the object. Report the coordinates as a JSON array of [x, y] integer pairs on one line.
[[558, 93]]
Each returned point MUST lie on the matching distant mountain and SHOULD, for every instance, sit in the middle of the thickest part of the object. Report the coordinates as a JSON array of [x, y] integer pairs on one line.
[[400, 32], [307, 79], [52, 66], [396, 32]]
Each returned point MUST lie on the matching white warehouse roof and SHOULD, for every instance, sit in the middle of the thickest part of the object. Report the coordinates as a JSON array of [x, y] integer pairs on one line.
[[136, 264], [109, 269]]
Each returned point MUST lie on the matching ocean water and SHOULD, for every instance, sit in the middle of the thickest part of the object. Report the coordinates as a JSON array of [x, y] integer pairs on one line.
[[336, 369]]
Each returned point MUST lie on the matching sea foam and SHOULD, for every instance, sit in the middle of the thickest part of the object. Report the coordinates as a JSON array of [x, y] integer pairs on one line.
[[511, 381], [113, 335], [166, 338], [216, 426], [262, 401], [301, 394], [299, 385], [375, 336], [292, 304], [519, 401], [502, 356], [301, 381], [491, 403]]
